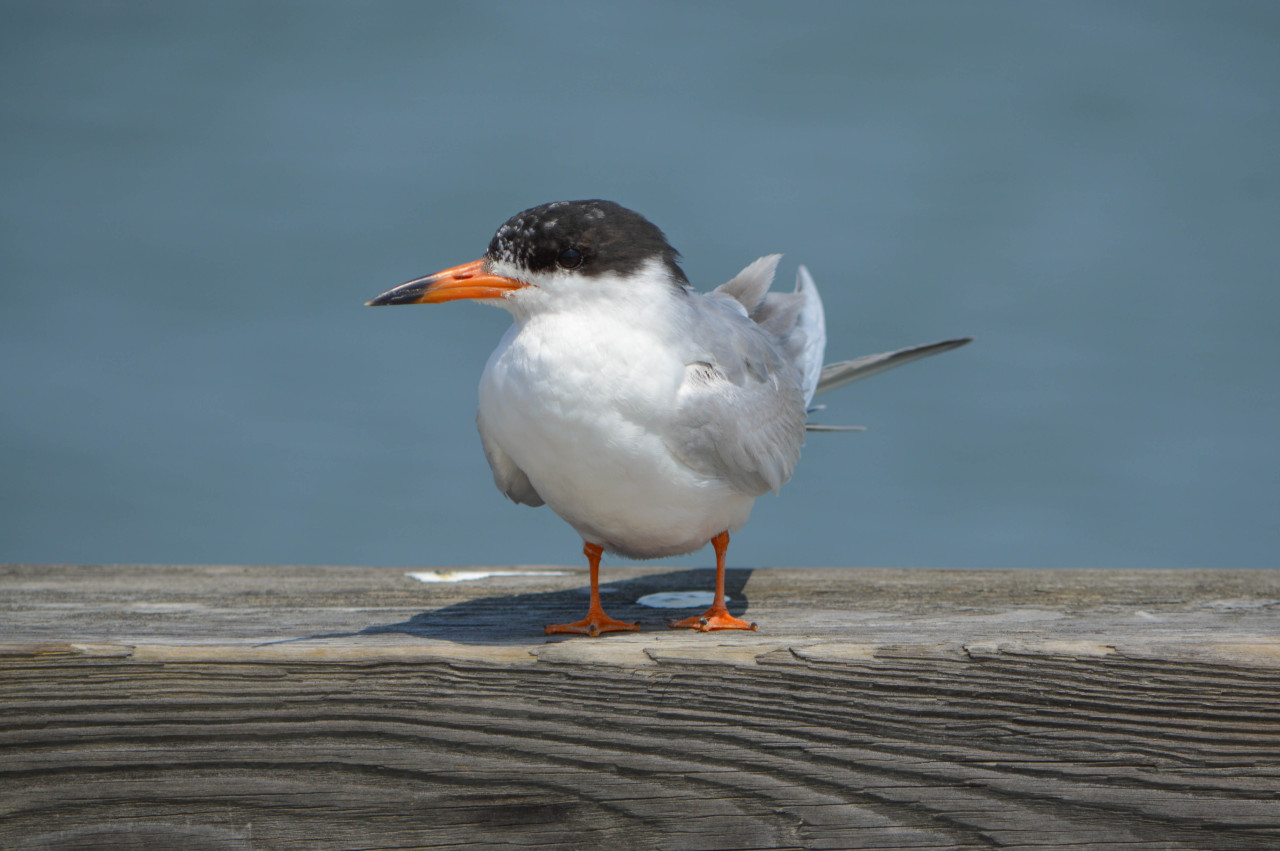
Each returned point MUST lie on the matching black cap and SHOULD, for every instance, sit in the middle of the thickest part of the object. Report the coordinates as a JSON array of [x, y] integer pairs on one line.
[[591, 237]]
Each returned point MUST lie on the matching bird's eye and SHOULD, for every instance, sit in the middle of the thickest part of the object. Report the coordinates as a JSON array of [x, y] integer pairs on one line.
[[570, 258]]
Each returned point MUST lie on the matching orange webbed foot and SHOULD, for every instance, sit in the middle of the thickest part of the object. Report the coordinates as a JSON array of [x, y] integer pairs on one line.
[[712, 619], [593, 625]]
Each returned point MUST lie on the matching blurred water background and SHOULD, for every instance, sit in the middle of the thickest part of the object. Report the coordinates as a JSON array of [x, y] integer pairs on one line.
[[198, 197]]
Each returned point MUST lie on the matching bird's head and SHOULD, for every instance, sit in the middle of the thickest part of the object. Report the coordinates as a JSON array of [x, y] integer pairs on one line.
[[555, 249]]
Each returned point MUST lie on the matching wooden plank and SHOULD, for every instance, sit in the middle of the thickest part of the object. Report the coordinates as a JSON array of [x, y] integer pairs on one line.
[[307, 707]]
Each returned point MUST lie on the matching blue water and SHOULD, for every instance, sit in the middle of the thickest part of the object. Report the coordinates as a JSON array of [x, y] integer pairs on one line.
[[196, 198]]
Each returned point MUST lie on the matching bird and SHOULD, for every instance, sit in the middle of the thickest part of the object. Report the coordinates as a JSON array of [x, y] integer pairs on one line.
[[646, 414]]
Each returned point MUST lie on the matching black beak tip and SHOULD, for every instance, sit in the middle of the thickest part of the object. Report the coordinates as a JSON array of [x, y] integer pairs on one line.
[[404, 294]]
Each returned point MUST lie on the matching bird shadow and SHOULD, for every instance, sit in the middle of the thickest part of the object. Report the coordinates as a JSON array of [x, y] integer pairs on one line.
[[520, 618]]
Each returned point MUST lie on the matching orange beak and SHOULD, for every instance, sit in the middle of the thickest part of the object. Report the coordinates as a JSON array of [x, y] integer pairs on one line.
[[469, 280]]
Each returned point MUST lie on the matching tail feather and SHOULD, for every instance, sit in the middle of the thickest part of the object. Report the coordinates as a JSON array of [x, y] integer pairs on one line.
[[839, 374], [796, 322], [819, 427]]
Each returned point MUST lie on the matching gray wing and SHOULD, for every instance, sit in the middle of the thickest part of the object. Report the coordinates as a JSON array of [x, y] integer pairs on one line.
[[740, 411], [508, 477], [794, 321], [749, 286]]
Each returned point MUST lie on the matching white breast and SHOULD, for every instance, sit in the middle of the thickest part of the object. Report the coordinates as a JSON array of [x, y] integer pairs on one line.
[[580, 401]]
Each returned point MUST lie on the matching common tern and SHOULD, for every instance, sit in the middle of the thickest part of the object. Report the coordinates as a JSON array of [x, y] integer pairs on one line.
[[648, 415]]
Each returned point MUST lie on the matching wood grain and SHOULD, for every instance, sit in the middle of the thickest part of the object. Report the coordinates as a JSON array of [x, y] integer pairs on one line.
[[345, 708]]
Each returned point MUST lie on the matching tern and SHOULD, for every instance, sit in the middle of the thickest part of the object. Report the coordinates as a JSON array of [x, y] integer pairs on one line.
[[648, 415]]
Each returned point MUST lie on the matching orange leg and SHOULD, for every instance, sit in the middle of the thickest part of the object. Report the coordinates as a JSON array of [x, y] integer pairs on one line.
[[596, 620], [716, 617]]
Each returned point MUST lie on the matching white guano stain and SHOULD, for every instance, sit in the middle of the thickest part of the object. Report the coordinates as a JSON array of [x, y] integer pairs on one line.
[[471, 575], [678, 599]]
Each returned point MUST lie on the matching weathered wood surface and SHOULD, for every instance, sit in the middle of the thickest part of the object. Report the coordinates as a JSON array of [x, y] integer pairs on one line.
[[345, 708]]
